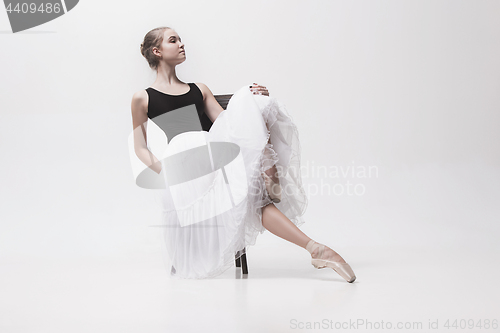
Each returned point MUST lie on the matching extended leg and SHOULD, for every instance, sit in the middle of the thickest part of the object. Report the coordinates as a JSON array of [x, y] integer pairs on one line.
[[277, 223]]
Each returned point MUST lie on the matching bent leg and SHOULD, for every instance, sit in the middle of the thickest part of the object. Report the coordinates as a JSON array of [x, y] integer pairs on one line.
[[273, 171]]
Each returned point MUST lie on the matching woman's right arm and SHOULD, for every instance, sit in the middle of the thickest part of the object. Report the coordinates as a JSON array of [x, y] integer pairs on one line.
[[139, 108]]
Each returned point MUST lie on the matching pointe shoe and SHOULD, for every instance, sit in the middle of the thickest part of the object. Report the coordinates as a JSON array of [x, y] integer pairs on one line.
[[273, 188], [343, 269]]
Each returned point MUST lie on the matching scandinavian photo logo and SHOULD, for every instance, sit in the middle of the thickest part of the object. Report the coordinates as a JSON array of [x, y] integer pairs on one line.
[[26, 15]]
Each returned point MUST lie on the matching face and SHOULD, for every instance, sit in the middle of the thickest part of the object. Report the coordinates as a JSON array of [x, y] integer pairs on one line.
[[172, 48]]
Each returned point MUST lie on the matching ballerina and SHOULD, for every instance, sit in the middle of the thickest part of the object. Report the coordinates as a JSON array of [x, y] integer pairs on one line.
[[228, 174]]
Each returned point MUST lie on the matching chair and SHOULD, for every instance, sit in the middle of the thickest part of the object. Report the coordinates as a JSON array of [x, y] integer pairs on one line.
[[240, 256], [223, 100]]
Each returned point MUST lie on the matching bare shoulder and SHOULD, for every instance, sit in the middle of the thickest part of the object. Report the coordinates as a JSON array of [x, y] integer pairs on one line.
[[140, 100], [140, 97], [204, 89]]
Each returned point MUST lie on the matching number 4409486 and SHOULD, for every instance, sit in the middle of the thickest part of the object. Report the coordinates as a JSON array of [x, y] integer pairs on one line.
[[471, 323], [32, 8]]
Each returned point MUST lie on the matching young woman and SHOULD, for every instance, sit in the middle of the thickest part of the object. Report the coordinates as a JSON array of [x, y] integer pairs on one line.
[[229, 174]]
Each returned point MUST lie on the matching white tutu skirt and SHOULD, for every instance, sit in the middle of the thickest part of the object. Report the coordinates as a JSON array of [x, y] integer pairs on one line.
[[208, 216]]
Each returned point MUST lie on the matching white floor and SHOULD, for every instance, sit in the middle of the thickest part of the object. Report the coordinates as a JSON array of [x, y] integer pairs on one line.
[[283, 292], [422, 242]]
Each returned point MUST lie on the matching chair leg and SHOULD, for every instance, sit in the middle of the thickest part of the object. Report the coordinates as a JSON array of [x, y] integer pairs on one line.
[[238, 262], [241, 260], [244, 266]]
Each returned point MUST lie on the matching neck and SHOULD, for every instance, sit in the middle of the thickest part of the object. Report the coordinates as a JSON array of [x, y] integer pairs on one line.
[[166, 75]]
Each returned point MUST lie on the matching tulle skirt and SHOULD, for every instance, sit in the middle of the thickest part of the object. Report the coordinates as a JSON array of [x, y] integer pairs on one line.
[[208, 217]]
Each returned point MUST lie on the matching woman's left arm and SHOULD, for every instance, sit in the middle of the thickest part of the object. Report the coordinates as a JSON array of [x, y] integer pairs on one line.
[[213, 108]]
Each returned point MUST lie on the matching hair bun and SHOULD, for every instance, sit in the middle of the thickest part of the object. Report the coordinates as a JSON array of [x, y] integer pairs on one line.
[[153, 38]]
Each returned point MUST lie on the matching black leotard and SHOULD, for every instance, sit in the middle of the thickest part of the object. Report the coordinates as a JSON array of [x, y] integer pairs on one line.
[[186, 105]]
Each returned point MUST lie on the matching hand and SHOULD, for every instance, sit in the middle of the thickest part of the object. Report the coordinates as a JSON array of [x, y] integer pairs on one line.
[[259, 90]]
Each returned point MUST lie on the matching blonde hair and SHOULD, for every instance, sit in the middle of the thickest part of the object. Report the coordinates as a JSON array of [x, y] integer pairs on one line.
[[153, 38]]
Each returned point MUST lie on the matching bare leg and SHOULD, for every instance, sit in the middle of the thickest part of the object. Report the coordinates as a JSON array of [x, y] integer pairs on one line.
[[277, 223]]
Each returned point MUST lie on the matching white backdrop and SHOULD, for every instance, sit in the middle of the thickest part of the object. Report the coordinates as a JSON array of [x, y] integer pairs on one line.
[[410, 88]]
